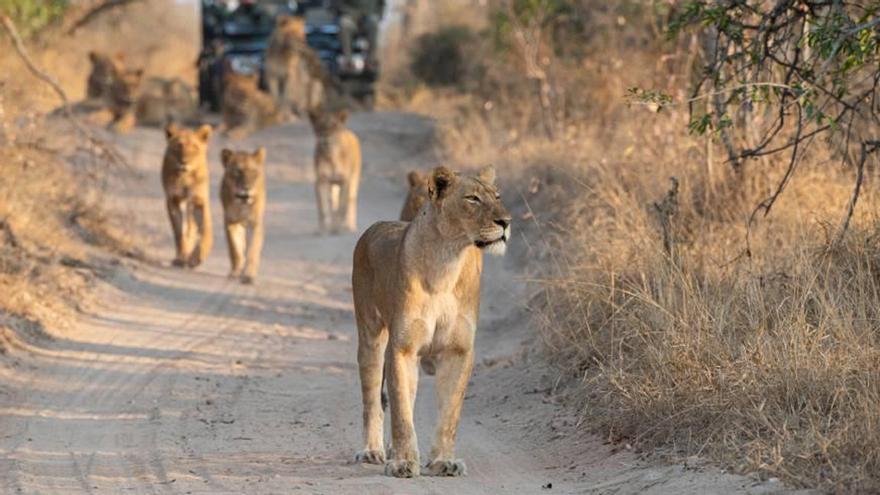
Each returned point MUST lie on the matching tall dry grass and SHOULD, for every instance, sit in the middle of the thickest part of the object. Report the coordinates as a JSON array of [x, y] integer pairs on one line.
[[679, 326]]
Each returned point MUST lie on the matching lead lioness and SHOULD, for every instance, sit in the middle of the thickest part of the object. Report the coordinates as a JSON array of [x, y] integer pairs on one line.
[[417, 292], [243, 195], [185, 180]]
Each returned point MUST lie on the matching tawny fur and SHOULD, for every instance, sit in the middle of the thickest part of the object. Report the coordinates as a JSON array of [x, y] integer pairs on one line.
[[187, 198], [122, 99], [162, 101], [416, 197], [245, 107], [416, 289], [291, 82], [337, 171], [105, 69], [243, 195]]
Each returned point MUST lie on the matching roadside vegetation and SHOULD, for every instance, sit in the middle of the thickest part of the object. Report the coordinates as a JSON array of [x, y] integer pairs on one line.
[[52, 213], [700, 184]]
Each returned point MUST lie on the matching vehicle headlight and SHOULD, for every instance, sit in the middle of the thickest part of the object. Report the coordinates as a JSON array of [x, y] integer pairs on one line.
[[245, 64], [361, 44]]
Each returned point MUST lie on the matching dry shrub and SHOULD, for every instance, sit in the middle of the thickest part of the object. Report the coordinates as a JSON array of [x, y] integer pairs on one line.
[[765, 362], [52, 215], [681, 327]]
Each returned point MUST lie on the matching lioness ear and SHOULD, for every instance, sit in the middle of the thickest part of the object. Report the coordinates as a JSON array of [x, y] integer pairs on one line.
[[204, 132], [226, 156], [93, 56], [415, 178], [487, 175], [171, 130], [342, 116], [260, 155], [441, 180], [282, 20]]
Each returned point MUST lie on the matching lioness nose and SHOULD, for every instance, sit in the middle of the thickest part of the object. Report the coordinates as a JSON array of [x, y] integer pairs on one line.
[[503, 221]]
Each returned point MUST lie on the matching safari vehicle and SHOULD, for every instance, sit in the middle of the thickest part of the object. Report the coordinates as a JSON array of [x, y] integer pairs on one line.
[[235, 34], [322, 35]]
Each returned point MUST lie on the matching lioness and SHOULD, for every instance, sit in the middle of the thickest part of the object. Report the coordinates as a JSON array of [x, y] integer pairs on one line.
[[165, 100], [243, 195], [286, 73], [185, 180], [416, 197], [297, 78], [104, 71], [337, 170], [245, 107], [122, 98], [416, 289]]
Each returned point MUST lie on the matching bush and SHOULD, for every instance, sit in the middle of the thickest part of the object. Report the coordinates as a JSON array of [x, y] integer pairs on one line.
[[32, 15], [438, 58]]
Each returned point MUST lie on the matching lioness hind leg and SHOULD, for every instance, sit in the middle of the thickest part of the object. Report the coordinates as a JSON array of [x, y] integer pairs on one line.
[[235, 240], [372, 341], [453, 372]]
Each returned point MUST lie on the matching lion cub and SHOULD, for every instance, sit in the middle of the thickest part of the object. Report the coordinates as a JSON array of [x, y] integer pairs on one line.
[[185, 180], [337, 171], [245, 107], [243, 195], [416, 290]]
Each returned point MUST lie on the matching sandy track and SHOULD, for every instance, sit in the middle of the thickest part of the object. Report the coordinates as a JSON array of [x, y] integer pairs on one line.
[[184, 382]]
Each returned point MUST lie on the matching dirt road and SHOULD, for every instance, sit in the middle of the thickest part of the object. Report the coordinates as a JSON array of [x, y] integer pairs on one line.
[[185, 382]]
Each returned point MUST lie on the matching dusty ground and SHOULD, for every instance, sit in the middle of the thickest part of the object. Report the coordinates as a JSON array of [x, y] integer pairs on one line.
[[185, 382]]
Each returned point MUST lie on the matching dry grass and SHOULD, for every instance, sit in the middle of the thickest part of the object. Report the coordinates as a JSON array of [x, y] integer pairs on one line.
[[52, 217], [758, 349]]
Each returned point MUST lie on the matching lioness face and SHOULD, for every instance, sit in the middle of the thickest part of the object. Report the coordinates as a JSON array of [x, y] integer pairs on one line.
[[325, 123], [470, 206], [294, 26], [186, 146], [243, 172], [125, 89]]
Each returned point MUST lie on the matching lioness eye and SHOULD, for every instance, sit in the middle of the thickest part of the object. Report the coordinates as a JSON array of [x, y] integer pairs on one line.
[[472, 199]]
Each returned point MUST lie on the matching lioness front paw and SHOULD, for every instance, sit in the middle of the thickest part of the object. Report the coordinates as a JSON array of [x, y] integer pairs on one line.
[[452, 467], [179, 263], [370, 456], [402, 468], [194, 261], [248, 279]]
